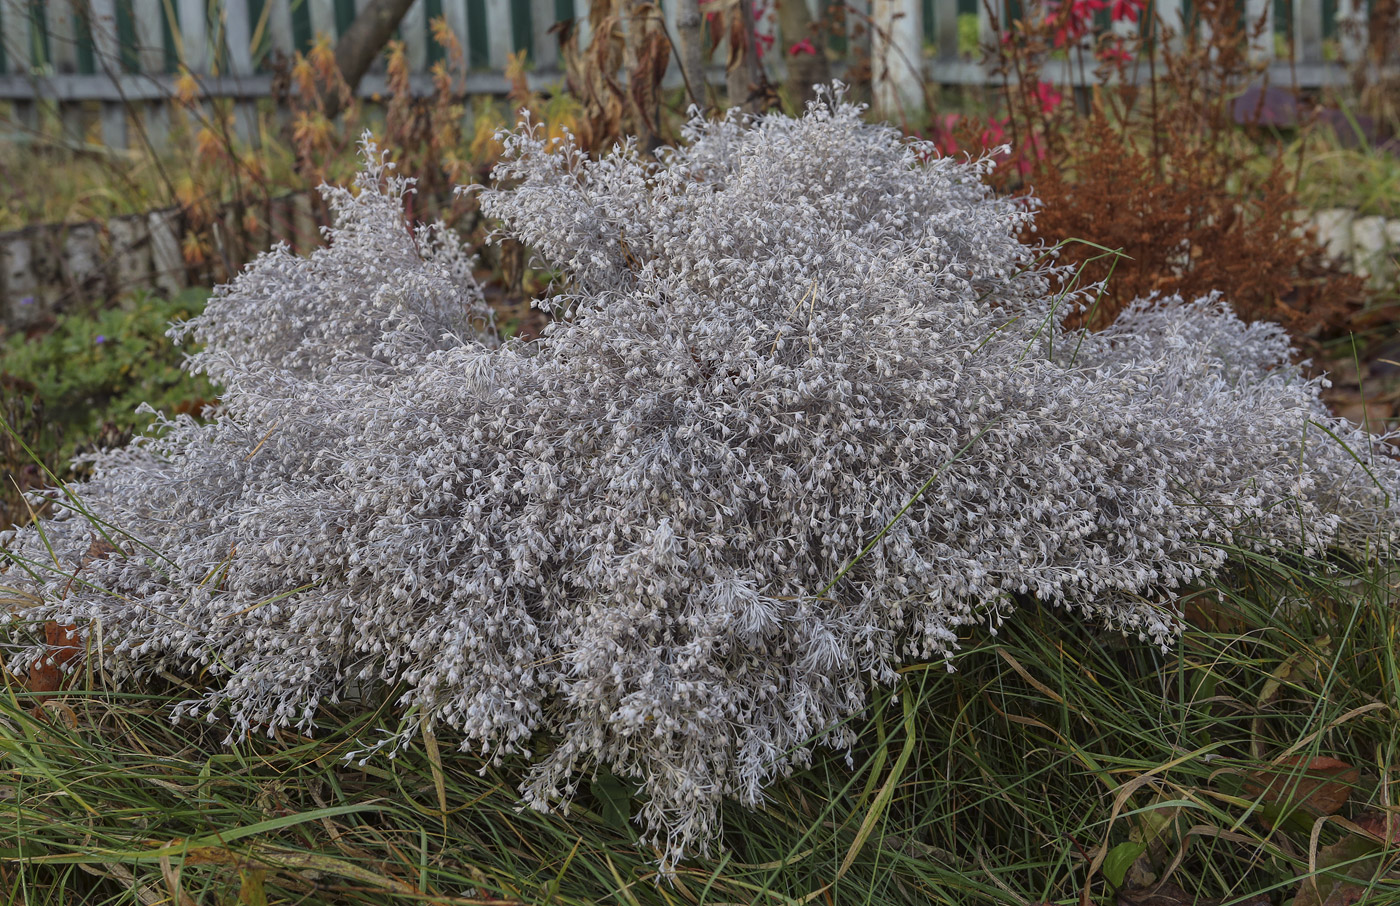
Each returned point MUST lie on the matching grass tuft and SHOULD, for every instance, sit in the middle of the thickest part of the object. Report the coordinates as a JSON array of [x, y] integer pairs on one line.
[[1236, 765]]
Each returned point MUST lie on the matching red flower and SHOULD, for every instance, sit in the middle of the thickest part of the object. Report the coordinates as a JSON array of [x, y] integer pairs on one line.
[[995, 133], [1126, 9], [1069, 30], [801, 47], [1077, 19], [1048, 97]]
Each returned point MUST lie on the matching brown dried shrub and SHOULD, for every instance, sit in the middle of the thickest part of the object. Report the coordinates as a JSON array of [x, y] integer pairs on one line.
[[1187, 231], [1159, 170]]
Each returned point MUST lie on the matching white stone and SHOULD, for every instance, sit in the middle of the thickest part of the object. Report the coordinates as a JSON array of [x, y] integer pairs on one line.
[[1334, 231], [1368, 242], [165, 251]]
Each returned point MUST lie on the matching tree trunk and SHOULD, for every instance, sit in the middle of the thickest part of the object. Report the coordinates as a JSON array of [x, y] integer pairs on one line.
[[689, 38], [803, 69], [363, 41]]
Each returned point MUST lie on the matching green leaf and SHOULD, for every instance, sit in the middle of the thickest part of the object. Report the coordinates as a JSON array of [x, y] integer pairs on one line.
[[1120, 859], [614, 801]]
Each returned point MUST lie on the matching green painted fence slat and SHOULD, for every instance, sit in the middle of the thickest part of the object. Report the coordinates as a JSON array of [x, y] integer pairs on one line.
[[432, 10], [479, 53], [126, 37], [522, 26], [87, 62], [39, 37], [344, 15], [301, 26]]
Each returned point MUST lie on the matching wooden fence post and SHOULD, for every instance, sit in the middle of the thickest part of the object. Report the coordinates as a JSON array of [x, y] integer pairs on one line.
[[1351, 29], [1259, 22], [194, 35], [896, 59], [147, 17], [1307, 31], [414, 28], [455, 12], [18, 45], [152, 117], [945, 24], [498, 27], [106, 47], [322, 19], [64, 21], [1171, 15], [279, 28], [544, 49], [582, 8]]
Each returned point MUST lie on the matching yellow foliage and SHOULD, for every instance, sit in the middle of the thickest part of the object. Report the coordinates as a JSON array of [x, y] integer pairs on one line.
[[447, 40], [251, 221], [312, 130], [209, 146], [485, 147], [397, 71], [193, 199], [187, 91], [304, 76], [254, 163], [515, 74], [194, 248]]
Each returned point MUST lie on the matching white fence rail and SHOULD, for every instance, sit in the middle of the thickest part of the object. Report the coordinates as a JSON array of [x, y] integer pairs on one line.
[[113, 60]]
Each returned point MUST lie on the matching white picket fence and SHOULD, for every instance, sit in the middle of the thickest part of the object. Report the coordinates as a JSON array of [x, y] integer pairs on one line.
[[117, 60]]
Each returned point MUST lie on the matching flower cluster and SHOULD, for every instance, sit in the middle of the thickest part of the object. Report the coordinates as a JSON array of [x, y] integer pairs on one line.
[[1073, 19], [807, 413]]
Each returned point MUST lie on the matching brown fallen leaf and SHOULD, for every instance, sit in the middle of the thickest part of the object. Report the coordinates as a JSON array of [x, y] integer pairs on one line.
[[1320, 785], [1382, 825], [1206, 609], [99, 549], [46, 674], [1344, 873]]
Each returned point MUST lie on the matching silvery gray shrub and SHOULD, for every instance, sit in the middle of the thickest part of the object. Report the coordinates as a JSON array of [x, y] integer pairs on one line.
[[808, 413]]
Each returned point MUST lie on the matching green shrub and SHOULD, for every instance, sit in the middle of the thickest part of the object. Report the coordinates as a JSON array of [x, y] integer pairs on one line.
[[93, 372]]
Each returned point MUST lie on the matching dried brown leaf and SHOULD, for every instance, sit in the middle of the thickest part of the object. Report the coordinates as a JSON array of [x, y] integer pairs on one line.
[[1319, 785]]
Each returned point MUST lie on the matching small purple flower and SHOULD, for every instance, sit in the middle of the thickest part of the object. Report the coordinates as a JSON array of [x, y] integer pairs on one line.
[[101, 338], [27, 300]]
